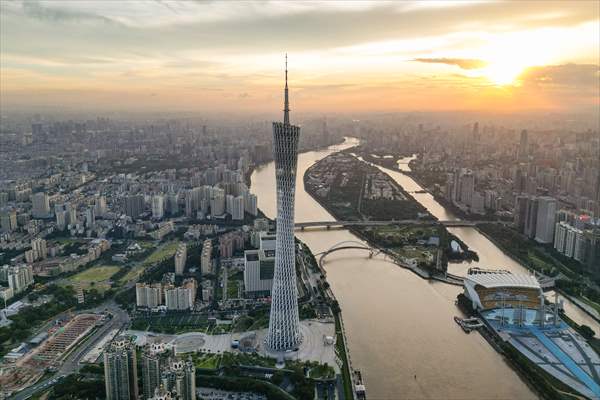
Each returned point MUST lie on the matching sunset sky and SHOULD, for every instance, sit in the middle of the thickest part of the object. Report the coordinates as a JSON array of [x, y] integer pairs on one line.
[[373, 56]]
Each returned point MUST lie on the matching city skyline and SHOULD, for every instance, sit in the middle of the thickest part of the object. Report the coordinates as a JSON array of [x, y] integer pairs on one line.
[[179, 55], [166, 233]]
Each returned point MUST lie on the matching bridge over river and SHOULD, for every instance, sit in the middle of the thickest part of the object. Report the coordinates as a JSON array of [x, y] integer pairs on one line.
[[342, 224]]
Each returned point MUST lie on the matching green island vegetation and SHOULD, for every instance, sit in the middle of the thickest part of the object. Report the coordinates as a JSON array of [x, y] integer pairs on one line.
[[354, 190], [338, 182], [418, 242]]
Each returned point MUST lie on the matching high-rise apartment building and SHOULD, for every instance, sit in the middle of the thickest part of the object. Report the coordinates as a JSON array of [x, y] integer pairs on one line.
[[182, 297], [158, 206], [40, 205], [154, 358], [8, 220], [120, 370], [237, 212], [180, 379], [134, 206], [148, 295], [20, 277], [206, 257], [284, 332], [90, 217], [100, 205], [180, 258], [39, 248]]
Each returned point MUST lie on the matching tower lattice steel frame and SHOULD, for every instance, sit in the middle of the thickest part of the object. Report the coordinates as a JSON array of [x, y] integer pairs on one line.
[[284, 333]]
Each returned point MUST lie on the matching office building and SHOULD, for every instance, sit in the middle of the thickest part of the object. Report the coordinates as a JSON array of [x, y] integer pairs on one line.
[[259, 267], [284, 332], [523, 146], [120, 370], [544, 231]]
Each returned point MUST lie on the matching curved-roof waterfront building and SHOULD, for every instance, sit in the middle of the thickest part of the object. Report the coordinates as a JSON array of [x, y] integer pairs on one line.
[[502, 289]]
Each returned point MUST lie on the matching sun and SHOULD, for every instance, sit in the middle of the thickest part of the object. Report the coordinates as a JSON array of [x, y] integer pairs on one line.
[[503, 73], [507, 56]]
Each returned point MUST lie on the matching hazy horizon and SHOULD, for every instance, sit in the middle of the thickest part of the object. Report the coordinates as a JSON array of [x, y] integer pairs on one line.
[[215, 57]]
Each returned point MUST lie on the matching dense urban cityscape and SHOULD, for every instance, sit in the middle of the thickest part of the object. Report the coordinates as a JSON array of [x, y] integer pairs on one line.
[[175, 227]]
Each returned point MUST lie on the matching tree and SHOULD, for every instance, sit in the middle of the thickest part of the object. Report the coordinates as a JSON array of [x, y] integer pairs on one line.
[[586, 332]]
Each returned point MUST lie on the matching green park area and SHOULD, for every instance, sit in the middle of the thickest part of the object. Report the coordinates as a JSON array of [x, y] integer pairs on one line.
[[206, 360], [95, 274], [163, 251], [96, 277]]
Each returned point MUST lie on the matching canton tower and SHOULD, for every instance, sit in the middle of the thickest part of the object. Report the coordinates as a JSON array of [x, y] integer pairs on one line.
[[284, 332]]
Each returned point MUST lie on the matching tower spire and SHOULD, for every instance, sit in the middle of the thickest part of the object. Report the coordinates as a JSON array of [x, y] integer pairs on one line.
[[286, 108]]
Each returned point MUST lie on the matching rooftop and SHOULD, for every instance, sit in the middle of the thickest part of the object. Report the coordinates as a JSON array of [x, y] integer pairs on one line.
[[503, 279]]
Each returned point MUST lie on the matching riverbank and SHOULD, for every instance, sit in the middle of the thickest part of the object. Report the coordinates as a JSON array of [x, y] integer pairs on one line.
[[360, 233], [341, 345], [389, 343], [589, 310], [511, 261]]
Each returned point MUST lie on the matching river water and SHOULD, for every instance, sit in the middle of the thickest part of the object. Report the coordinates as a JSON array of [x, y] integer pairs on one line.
[[400, 328]]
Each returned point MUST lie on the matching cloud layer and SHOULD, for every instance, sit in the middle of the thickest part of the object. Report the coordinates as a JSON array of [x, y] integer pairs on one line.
[[215, 54]]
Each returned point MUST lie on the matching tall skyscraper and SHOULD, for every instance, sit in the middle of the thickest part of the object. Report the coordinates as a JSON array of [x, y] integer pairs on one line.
[[284, 332], [120, 370], [544, 231], [523, 146]]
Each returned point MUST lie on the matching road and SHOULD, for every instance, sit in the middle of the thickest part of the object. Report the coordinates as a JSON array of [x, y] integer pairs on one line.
[[71, 363]]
